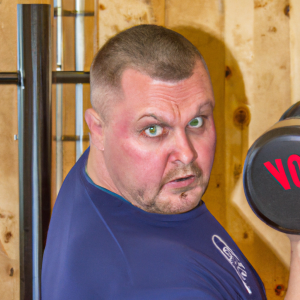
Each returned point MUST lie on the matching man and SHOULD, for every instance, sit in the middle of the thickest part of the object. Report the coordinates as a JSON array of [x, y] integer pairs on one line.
[[129, 222]]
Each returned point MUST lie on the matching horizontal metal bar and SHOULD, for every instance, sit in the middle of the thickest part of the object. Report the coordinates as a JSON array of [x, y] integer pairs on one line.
[[72, 138], [57, 77], [9, 78], [72, 13], [70, 77]]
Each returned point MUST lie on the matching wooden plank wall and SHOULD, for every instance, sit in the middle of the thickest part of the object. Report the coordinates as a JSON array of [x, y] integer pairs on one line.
[[252, 49]]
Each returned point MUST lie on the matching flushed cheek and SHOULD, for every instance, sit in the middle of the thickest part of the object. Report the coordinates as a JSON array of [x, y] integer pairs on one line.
[[206, 156], [146, 167]]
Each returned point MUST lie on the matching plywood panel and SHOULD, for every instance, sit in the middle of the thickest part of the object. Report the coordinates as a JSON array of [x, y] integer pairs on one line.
[[271, 68], [204, 14], [292, 11], [158, 12], [257, 36], [238, 41], [34, 1], [238, 38], [271, 97], [9, 200], [117, 15]]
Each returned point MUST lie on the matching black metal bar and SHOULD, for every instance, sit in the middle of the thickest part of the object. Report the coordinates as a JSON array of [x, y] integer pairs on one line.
[[34, 51], [9, 78], [72, 138], [57, 77], [70, 77]]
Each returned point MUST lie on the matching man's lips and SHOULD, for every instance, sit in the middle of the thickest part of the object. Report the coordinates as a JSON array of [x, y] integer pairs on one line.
[[181, 181], [182, 178]]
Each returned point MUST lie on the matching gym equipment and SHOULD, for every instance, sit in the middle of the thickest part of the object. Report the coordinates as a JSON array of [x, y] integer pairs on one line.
[[34, 79], [272, 174]]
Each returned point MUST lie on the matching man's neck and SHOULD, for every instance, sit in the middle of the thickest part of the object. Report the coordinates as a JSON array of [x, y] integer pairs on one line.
[[97, 171]]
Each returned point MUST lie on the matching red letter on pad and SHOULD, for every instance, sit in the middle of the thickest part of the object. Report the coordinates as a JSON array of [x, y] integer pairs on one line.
[[292, 168], [278, 174]]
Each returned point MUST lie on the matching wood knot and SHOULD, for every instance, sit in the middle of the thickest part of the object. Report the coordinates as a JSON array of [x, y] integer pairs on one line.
[[8, 236], [228, 72], [280, 290], [241, 117], [272, 29], [287, 11]]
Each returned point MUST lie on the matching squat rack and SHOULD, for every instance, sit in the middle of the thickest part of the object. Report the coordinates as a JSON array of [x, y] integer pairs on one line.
[[34, 79]]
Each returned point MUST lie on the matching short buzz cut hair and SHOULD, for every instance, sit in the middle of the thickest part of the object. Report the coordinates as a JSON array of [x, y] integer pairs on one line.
[[156, 51]]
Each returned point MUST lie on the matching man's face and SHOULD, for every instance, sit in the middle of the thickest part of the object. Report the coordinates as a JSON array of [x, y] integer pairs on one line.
[[159, 142]]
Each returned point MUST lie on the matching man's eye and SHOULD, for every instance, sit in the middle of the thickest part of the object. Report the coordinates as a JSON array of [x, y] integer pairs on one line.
[[154, 130], [196, 123]]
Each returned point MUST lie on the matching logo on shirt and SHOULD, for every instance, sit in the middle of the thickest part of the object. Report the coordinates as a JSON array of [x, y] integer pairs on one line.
[[231, 257]]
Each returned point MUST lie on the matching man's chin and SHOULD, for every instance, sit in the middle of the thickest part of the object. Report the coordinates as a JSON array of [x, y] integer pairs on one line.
[[178, 203], [171, 200]]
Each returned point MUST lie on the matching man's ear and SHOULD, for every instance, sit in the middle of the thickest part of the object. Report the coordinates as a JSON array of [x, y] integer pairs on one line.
[[96, 126]]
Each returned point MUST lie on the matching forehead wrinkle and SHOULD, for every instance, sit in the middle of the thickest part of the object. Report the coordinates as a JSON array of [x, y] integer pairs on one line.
[[178, 102], [160, 82], [175, 97], [178, 92], [176, 111], [177, 88], [167, 105]]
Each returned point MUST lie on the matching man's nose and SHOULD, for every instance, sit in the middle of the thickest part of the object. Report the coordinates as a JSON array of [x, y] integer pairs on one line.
[[183, 150]]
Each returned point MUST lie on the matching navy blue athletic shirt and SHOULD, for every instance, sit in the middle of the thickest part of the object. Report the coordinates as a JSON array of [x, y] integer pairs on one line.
[[100, 246]]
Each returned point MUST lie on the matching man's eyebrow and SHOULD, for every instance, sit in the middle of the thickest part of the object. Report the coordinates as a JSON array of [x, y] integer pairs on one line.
[[207, 103], [151, 115]]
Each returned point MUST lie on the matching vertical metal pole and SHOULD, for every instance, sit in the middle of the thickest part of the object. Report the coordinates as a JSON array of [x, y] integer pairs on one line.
[[79, 65], [25, 252], [34, 44], [59, 97]]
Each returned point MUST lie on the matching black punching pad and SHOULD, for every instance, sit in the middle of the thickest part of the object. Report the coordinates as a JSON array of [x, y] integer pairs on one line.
[[272, 174]]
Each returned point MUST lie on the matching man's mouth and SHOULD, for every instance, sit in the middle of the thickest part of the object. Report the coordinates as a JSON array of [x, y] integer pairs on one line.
[[183, 178], [182, 182]]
